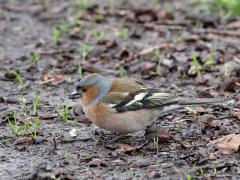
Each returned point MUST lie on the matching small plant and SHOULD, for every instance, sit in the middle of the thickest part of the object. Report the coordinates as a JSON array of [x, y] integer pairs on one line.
[[34, 58], [16, 74], [196, 68], [156, 143], [14, 126], [31, 128], [55, 34], [225, 8], [64, 26], [85, 4], [168, 7], [189, 177], [98, 35], [210, 59], [158, 57], [122, 71], [35, 104], [25, 129], [85, 50], [64, 112], [192, 111], [123, 32]]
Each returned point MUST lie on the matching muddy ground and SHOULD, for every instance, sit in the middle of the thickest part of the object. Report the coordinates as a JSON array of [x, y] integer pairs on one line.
[[46, 46]]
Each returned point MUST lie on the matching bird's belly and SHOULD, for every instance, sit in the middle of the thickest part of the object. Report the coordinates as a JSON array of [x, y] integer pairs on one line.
[[126, 122]]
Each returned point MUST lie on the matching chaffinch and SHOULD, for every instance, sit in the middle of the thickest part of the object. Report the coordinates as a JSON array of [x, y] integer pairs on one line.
[[124, 106]]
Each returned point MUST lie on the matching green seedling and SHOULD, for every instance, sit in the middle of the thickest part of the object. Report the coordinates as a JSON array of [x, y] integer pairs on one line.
[[85, 4], [158, 58], [210, 59], [25, 129], [81, 4], [196, 67], [122, 32], [14, 126], [225, 8], [16, 74], [189, 177], [197, 24], [98, 35], [35, 104], [64, 112], [122, 71], [64, 26], [55, 34], [156, 143], [31, 128], [85, 50], [168, 7], [34, 58]]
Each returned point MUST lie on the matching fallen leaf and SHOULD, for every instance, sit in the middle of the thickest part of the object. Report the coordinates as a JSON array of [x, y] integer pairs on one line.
[[156, 131], [24, 140], [227, 144], [57, 79]]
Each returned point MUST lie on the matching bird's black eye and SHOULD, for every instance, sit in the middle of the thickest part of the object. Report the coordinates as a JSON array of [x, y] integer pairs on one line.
[[83, 89]]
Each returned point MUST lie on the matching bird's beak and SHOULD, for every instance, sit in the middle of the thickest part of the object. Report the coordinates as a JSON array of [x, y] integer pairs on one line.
[[74, 95]]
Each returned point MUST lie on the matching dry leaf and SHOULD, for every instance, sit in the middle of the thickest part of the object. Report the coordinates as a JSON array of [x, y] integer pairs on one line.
[[52, 79], [227, 144]]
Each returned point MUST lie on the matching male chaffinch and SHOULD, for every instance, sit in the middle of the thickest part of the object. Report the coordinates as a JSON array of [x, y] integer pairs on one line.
[[124, 106]]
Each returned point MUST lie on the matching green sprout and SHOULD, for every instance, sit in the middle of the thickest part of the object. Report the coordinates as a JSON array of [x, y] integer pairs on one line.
[[36, 104], [85, 50], [31, 128], [14, 126], [25, 129], [16, 74], [210, 59], [196, 68], [55, 34], [64, 112], [156, 143], [168, 7], [85, 4], [34, 58], [63, 26], [225, 8], [123, 32], [98, 35], [158, 57], [81, 4]]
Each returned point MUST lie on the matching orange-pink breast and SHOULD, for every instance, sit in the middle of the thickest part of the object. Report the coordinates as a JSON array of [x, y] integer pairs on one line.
[[126, 122]]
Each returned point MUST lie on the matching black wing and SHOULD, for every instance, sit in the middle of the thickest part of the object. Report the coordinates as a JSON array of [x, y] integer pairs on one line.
[[144, 98]]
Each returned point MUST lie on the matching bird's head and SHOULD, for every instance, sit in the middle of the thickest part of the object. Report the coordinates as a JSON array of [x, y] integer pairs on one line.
[[93, 85]]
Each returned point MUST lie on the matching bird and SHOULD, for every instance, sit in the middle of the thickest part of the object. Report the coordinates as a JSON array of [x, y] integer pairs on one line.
[[123, 106]]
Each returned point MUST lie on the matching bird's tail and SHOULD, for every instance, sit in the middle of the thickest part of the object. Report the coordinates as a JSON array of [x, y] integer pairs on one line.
[[201, 101], [180, 102]]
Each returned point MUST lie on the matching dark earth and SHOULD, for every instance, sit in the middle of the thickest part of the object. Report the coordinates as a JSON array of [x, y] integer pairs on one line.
[[46, 46]]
